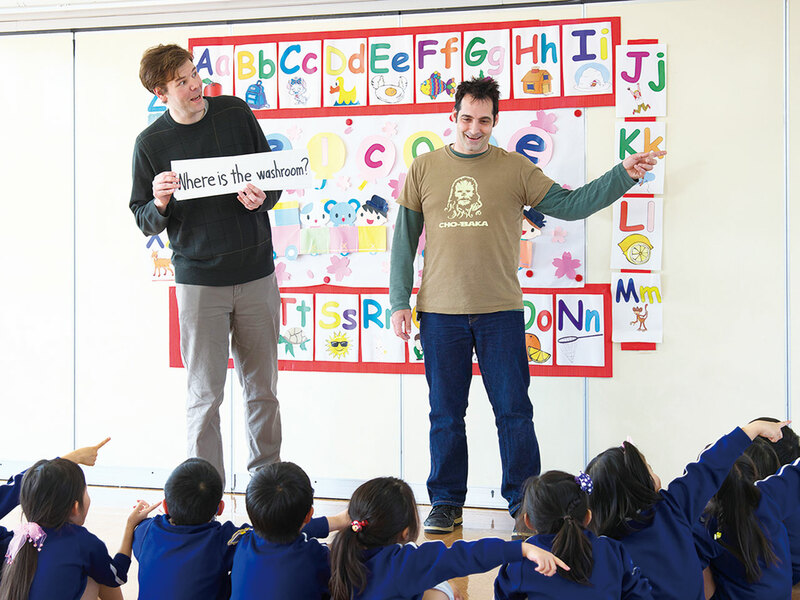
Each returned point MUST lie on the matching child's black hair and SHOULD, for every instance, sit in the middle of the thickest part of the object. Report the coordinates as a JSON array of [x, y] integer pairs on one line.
[[732, 510], [278, 499], [624, 491], [556, 504], [788, 447], [484, 88], [48, 493], [764, 457], [382, 508], [193, 492]]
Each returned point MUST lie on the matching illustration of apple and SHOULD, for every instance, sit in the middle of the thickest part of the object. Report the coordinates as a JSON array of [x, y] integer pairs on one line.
[[212, 88]]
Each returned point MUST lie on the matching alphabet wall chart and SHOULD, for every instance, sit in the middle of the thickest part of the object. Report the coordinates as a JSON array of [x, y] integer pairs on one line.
[[363, 105], [637, 238]]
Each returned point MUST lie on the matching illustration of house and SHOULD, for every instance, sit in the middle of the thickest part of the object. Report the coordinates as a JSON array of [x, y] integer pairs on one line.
[[537, 81]]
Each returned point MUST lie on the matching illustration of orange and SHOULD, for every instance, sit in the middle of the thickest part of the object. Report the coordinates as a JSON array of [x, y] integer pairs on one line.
[[534, 347]]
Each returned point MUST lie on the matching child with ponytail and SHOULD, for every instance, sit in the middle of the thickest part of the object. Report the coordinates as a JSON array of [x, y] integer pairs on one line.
[[9, 493], [556, 506], [742, 534], [375, 558], [52, 556], [656, 525], [788, 450]]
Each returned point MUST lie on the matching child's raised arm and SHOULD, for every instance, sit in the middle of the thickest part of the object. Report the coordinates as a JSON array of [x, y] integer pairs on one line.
[[139, 514], [690, 493], [771, 431], [87, 455]]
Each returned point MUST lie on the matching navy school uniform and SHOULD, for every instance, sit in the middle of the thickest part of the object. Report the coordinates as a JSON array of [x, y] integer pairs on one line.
[[779, 496], [407, 570], [9, 500], [178, 562], [299, 569], [614, 576], [70, 555], [792, 523], [664, 550]]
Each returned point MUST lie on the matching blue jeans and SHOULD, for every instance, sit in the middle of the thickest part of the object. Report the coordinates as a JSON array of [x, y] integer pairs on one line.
[[499, 343]]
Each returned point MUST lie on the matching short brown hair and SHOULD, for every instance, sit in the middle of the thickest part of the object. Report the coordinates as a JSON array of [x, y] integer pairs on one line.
[[160, 63]]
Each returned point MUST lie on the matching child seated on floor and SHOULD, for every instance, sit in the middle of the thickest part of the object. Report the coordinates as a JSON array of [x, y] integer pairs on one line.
[[375, 558], [184, 554], [63, 559], [655, 525], [788, 450], [743, 536], [280, 557], [9, 492], [556, 508]]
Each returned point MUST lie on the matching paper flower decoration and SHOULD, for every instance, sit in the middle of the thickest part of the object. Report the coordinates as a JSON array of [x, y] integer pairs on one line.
[[339, 267], [280, 273], [397, 185], [566, 265]]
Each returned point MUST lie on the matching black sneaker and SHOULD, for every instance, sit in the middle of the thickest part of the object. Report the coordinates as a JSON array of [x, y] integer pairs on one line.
[[443, 518], [520, 531]]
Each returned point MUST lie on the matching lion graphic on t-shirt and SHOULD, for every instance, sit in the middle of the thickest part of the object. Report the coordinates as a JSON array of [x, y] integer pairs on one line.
[[464, 201]]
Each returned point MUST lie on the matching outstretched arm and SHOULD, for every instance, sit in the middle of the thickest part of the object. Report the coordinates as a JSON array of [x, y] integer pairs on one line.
[[640, 163], [139, 514], [573, 205], [772, 431], [691, 492], [339, 521], [87, 455]]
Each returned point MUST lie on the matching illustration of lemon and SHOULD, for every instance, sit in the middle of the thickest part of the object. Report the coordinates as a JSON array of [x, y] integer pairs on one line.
[[636, 248], [534, 347]]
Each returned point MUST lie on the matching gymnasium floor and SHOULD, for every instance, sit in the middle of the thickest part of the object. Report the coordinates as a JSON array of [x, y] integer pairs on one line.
[[111, 506]]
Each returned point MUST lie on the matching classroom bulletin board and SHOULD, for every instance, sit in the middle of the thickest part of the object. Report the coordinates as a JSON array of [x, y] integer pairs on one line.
[[364, 104]]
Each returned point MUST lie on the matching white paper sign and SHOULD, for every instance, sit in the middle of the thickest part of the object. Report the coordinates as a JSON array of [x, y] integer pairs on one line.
[[636, 307], [202, 177], [633, 137], [637, 233], [641, 84], [580, 330]]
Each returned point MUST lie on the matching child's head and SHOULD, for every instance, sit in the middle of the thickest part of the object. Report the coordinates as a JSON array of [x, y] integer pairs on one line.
[[733, 511], [788, 447], [625, 487], [193, 493], [383, 512], [557, 503], [279, 501], [764, 457], [52, 494]]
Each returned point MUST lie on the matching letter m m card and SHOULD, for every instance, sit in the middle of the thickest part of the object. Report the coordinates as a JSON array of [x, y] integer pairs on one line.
[[636, 307]]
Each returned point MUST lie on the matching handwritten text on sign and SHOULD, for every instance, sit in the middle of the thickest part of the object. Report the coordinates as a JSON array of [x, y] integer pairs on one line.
[[201, 177]]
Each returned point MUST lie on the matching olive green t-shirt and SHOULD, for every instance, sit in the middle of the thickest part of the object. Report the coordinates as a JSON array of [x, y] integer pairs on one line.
[[473, 219]]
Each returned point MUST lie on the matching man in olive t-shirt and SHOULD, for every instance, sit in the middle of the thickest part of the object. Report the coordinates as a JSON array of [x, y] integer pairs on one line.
[[470, 196]]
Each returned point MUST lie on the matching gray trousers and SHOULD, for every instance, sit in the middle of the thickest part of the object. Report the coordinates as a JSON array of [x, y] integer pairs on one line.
[[249, 315]]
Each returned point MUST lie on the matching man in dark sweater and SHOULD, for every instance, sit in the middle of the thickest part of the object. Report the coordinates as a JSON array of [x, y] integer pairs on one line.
[[222, 252]]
